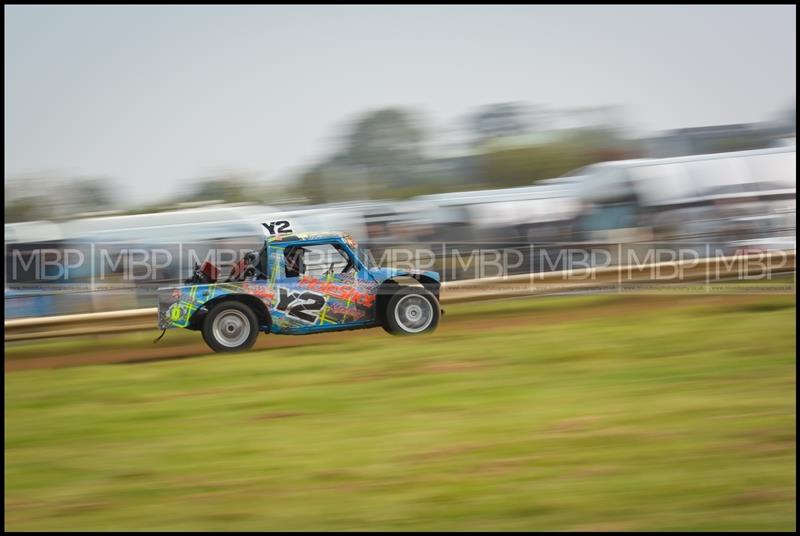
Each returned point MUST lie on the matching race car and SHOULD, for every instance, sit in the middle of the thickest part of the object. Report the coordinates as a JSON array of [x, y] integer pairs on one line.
[[300, 283]]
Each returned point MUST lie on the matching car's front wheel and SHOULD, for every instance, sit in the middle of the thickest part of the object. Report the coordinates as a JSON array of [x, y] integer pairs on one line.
[[230, 327], [411, 311]]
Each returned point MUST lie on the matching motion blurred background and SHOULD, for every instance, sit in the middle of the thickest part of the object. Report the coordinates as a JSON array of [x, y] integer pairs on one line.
[[559, 127], [433, 127]]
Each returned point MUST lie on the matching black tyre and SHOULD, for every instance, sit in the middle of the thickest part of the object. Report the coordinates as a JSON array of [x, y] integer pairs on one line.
[[230, 326], [411, 311]]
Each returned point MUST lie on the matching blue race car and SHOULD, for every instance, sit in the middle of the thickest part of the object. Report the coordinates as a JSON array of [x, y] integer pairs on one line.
[[300, 283]]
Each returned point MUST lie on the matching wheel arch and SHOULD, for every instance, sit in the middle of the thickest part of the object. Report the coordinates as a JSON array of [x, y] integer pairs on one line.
[[430, 284], [388, 288], [258, 306]]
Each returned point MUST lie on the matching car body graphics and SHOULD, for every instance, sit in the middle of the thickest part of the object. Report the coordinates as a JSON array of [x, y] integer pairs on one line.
[[293, 305]]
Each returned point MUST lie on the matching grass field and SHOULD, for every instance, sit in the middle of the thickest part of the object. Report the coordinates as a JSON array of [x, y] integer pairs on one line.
[[564, 413]]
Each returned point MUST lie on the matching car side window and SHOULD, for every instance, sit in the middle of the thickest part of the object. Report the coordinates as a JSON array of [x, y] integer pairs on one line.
[[316, 261], [326, 259]]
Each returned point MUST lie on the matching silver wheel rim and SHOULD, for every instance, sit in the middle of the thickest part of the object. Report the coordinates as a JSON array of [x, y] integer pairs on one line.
[[413, 313], [231, 328]]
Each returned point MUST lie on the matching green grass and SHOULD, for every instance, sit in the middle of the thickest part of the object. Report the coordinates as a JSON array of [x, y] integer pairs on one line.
[[583, 413]]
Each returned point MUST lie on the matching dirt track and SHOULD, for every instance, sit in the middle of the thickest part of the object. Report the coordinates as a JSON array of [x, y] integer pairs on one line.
[[629, 305]]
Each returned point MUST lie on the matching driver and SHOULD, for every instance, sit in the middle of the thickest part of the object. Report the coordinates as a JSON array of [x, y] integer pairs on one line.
[[247, 266], [295, 266]]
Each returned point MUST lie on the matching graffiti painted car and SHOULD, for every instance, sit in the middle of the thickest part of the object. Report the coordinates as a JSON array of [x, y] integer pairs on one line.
[[300, 283]]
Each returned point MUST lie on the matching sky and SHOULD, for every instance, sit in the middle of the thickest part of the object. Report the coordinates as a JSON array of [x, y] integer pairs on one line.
[[154, 96]]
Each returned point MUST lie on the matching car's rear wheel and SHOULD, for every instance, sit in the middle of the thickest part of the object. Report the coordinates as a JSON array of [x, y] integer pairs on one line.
[[411, 311], [230, 326]]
